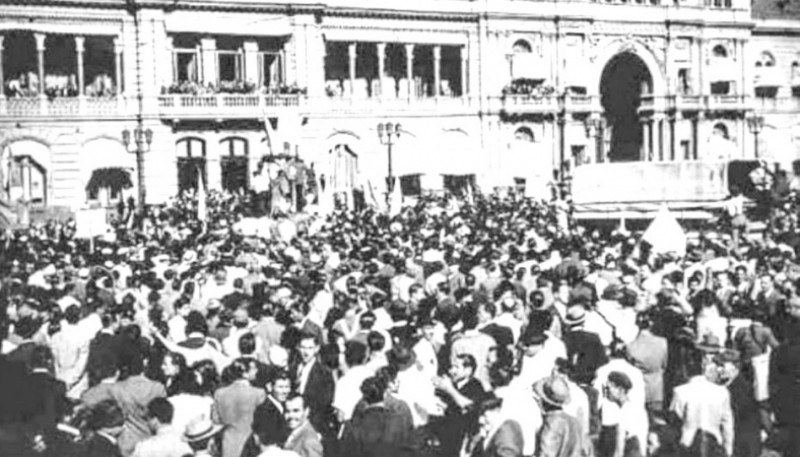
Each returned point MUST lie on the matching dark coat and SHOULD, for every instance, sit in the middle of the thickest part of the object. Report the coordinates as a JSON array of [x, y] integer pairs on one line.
[[318, 396], [586, 352], [377, 431], [99, 446], [48, 397]]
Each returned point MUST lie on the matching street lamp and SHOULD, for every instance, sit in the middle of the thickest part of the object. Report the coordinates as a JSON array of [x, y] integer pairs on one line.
[[142, 139], [388, 133], [756, 125]]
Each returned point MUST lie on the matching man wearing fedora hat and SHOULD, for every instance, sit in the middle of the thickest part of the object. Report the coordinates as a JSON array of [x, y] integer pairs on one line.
[[561, 434], [201, 436], [584, 349]]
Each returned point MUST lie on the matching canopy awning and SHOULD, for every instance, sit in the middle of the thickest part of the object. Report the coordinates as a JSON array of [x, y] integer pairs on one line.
[[115, 179]]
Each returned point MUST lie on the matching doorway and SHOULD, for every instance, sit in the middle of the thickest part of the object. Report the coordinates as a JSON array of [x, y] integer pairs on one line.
[[624, 80]]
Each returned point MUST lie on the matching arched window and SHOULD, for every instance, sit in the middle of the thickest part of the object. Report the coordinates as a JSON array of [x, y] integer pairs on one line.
[[524, 134], [191, 153], [767, 59], [235, 164], [522, 47], [721, 129], [720, 52]]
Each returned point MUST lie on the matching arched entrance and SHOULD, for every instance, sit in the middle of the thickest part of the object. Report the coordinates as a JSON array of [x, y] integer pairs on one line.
[[623, 82]]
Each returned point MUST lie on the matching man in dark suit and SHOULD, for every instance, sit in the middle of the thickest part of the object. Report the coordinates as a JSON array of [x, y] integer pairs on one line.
[[315, 383], [461, 390], [584, 349], [47, 395], [497, 438], [269, 414]]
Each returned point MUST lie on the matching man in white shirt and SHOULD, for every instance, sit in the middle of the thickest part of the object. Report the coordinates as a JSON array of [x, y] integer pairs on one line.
[[71, 352], [414, 387], [167, 441], [701, 406], [348, 388]]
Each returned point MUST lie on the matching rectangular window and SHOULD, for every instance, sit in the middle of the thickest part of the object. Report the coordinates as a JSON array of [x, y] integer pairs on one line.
[[270, 70], [185, 65], [721, 88], [687, 150], [230, 66], [684, 81]]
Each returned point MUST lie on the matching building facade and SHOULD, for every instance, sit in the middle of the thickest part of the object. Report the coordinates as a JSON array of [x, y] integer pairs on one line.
[[502, 93]]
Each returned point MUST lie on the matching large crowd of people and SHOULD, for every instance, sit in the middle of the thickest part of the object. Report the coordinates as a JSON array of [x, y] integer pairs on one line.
[[490, 327]]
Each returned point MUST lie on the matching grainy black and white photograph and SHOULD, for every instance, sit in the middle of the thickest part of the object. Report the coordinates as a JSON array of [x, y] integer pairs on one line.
[[400, 228]]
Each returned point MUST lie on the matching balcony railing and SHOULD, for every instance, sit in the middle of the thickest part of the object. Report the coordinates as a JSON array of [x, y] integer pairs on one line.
[[65, 107], [726, 102], [529, 104], [687, 102], [366, 105], [225, 105], [580, 103], [777, 104]]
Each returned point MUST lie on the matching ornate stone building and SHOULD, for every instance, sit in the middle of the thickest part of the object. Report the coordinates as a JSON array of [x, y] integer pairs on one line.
[[506, 93]]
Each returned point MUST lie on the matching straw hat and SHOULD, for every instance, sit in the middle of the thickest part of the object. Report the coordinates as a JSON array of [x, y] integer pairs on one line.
[[201, 429]]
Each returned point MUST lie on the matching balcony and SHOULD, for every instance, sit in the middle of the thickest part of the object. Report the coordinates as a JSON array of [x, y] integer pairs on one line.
[[66, 107], [393, 105], [578, 103], [777, 105], [726, 102], [226, 106], [526, 104], [687, 102]]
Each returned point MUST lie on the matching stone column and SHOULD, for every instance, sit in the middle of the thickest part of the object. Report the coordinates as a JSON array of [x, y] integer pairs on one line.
[[381, 47], [410, 69], [464, 60], [79, 42], [208, 48], [2, 78], [701, 68], [437, 70], [117, 66], [251, 70], [26, 179], [352, 54], [669, 153], [40, 48], [645, 140]]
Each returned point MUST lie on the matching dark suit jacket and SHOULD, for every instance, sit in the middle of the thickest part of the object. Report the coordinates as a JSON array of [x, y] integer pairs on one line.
[[507, 441], [586, 352], [99, 446], [378, 431], [318, 396], [48, 397], [267, 415]]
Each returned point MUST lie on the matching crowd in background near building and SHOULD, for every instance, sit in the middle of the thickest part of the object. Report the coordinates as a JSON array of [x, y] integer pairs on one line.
[[490, 327]]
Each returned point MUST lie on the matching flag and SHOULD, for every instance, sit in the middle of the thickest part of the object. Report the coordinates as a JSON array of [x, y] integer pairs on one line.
[[202, 210], [373, 199], [665, 235], [396, 201], [470, 197]]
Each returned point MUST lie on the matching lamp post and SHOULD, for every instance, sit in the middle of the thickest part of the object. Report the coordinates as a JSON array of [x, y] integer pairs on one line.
[[388, 133], [142, 139], [756, 125]]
